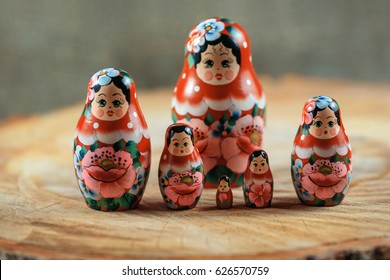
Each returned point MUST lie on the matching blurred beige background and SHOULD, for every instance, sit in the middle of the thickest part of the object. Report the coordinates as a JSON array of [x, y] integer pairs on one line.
[[49, 49]]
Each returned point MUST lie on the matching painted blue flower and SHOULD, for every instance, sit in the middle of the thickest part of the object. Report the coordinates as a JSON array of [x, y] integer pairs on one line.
[[212, 28], [221, 130], [303, 193], [164, 181], [77, 157], [88, 193], [349, 175], [106, 76], [297, 169], [323, 101], [138, 182]]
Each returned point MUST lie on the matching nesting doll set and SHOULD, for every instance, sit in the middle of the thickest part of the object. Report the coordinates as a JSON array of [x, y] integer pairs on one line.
[[215, 141]]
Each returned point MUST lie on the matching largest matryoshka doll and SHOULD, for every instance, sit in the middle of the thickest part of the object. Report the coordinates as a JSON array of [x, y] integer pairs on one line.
[[219, 95], [112, 145]]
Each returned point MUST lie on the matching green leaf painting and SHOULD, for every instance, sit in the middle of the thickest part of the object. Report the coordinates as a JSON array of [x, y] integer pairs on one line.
[[312, 159], [209, 119], [127, 200], [255, 110], [109, 204], [92, 203], [119, 145], [131, 147], [191, 60], [94, 146], [223, 118], [174, 117]]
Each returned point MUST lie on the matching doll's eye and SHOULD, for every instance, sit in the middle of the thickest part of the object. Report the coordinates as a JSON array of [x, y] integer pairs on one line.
[[102, 103], [317, 124], [185, 144], [263, 164], [255, 165], [176, 145], [331, 124], [209, 63], [116, 103], [226, 63]]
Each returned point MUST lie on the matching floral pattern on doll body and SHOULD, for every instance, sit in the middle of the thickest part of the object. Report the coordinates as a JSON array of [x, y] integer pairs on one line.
[[321, 166], [258, 181], [180, 169]]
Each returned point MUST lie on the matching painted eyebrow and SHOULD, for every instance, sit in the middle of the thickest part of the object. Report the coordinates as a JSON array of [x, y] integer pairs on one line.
[[175, 140], [209, 53], [224, 54], [117, 93], [329, 117], [102, 94]]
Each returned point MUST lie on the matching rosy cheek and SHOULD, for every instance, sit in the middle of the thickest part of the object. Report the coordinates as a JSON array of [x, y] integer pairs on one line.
[[176, 150], [229, 74], [99, 113], [119, 112], [208, 75], [318, 132], [333, 131], [187, 150]]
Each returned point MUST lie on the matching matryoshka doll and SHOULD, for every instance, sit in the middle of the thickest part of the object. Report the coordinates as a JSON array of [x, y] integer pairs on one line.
[[258, 181], [180, 170], [219, 95], [321, 163], [112, 145], [224, 196]]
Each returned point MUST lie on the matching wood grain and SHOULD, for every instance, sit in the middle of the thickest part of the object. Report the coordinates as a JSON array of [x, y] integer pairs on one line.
[[42, 213]]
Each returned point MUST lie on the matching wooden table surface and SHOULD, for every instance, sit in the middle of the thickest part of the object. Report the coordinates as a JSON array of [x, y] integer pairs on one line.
[[42, 213]]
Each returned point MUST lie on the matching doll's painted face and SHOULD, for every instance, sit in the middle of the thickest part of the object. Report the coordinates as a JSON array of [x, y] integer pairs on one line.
[[223, 186], [181, 144], [218, 65], [109, 103], [259, 165], [324, 125]]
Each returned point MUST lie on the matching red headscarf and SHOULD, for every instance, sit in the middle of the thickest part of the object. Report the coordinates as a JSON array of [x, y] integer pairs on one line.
[[130, 127], [191, 91]]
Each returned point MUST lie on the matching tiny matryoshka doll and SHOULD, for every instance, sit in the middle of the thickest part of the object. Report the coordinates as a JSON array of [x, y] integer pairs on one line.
[[220, 96], [224, 196], [321, 163], [112, 146], [180, 170], [258, 181]]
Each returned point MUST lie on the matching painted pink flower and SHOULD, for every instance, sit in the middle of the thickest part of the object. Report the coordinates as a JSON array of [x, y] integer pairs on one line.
[[324, 178], [260, 195], [108, 173], [237, 149], [184, 192], [222, 196], [196, 40], [307, 115]]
